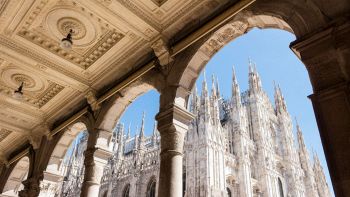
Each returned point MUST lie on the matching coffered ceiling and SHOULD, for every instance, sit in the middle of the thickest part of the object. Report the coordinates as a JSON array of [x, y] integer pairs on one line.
[[109, 36]]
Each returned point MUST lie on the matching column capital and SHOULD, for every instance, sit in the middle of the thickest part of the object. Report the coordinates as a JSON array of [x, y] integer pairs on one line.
[[173, 124], [174, 116], [97, 154], [103, 138]]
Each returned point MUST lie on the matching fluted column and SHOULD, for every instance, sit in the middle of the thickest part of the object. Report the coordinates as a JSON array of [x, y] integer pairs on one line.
[[173, 124], [96, 157], [326, 55]]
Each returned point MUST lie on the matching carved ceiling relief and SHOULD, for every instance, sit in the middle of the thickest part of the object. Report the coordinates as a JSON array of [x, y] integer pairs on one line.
[[92, 37], [4, 133], [37, 91]]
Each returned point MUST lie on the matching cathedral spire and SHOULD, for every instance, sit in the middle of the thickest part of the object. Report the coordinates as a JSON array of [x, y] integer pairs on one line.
[[120, 140], [142, 130], [250, 65], [254, 78], [204, 86], [195, 100], [236, 94], [320, 178], [301, 143], [136, 143], [217, 87], [214, 103], [316, 159], [205, 104], [129, 131], [142, 133], [280, 103], [154, 134], [251, 76], [120, 128], [213, 87]]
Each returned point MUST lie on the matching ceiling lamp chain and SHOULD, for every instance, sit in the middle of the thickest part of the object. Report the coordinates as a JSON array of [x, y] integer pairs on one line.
[[18, 94], [66, 43]]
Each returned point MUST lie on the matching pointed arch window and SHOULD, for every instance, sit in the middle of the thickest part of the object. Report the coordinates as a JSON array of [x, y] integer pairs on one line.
[[280, 187], [151, 189], [229, 194], [126, 190]]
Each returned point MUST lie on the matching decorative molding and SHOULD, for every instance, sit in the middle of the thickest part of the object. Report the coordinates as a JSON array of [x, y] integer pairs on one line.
[[4, 133], [37, 91], [159, 3], [3, 4], [51, 92], [86, 49], [108, 40]]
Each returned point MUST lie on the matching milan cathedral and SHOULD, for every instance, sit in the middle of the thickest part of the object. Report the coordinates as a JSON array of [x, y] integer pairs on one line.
[[243, 146]]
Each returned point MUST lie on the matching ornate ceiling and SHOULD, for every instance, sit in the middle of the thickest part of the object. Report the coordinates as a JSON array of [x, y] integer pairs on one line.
[[109, 37]]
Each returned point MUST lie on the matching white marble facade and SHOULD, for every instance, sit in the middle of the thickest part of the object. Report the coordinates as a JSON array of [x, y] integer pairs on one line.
[[243, 146]]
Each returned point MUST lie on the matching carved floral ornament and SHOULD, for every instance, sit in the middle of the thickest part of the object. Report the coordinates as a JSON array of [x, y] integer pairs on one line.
[[13, 77], [66, 24], [37, 91], [60, 21], [91, 36]]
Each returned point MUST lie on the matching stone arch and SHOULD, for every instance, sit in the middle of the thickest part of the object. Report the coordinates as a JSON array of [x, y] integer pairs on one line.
[[280, 187], [113, 108], [18, 174], [240, 25], [151, 187], [105, 194], [54, 172], [304, 18], [62, 145], [126, 190], [232, 185]]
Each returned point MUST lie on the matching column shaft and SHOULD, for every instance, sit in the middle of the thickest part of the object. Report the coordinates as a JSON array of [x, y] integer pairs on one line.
[[94, 161], [172, 124]]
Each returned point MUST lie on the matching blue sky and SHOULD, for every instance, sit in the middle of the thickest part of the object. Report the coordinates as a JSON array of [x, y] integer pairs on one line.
[[269, 49]]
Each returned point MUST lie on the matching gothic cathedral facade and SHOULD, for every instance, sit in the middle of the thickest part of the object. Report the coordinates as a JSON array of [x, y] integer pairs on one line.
[[243, 146]]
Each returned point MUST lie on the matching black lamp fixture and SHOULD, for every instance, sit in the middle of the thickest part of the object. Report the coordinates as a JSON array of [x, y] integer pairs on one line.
[[18, 94], [66, 43]]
